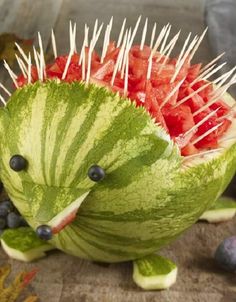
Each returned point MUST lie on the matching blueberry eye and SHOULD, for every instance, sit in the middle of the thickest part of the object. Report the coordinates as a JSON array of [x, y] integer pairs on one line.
[[18, 163], [96, 173], [44, 232]]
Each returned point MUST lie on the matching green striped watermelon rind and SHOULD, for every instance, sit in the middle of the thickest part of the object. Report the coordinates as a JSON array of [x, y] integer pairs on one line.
[[146, 200]]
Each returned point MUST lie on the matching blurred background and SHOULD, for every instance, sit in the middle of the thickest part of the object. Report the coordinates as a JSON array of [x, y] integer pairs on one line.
[[25, 18]]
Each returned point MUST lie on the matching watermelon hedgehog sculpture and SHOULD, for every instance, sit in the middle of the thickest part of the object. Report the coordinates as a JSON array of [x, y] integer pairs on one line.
[[110, 157]]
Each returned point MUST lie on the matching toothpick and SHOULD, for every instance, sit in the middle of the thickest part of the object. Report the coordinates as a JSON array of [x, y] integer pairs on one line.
[[181, 62], [21, 51], [72, 33], [183, 49], [42, 60], [144, 34], [197, 45], [149, 70], [230, 114], [74, 38], [165, 39], [217, 95], [121, 33], [5, 89], [159, 39], [134, 31], [126, 76], [11, 73], [119, 58], [85, 44], [202, 153], [3, 100], [83, 64], [126, 53], [212, 62], [183, 100], [153, 34], [196, 126], [36, 59], [67, 65], [199, 77], [22, 66], [201, 137], [222, 79], [29, 69], [106, 40], [91, 48], [213, 71], [95, 29], [170, 46], [176, 88], [54, 45]]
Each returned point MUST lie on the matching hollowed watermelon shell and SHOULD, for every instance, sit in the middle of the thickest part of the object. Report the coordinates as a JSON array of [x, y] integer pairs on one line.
[[150, 193]]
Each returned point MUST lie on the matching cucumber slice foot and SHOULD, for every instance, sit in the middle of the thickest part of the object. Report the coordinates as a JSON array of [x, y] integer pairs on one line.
[[23, 244], [223, 210], [154, 272]]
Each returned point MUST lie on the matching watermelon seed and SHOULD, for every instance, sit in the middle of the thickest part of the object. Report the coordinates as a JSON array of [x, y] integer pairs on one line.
[[18, 163], [44, 232], [96, 173]]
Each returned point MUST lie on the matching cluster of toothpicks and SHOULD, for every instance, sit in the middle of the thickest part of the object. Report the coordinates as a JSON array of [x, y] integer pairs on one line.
[[161, 43]]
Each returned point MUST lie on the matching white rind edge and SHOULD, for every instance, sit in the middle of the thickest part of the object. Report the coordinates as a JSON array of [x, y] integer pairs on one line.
[[157, 282], [219, 215], [55, 221], [28, 256]]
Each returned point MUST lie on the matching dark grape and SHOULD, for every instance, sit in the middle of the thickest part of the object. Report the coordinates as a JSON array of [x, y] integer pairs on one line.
[[225, 254], [8, 204], [13, 220], [2, 223], [3, 211]]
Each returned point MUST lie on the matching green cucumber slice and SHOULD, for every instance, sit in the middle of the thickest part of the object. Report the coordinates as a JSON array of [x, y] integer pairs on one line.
[[23, 244], [154, 272], [224, 209]]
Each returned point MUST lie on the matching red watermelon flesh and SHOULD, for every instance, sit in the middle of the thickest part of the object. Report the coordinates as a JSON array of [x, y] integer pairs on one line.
[[175, 118]]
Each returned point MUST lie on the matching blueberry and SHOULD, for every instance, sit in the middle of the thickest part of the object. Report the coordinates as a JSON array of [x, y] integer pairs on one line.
[[18, 163], [2, 223], [44, 232], [13, 220], [225, 254], [96, 173], [8, 204], [3, 211]]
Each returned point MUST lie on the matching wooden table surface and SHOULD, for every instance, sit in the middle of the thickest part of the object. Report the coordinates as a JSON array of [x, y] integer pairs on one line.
[[65, 278]]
